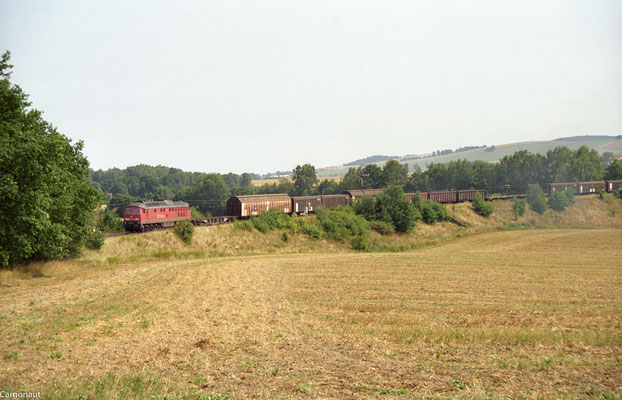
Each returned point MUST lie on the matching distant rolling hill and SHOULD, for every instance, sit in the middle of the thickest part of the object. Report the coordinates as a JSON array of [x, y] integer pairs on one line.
[[600, 143]]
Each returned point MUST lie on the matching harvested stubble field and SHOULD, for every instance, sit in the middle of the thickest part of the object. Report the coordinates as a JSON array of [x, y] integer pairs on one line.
[[526, 314]]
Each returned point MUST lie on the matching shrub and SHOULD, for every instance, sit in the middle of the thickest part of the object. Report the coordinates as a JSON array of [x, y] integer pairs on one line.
[[428, 213], [382, 227], [558, 201], [196, 214], [185, 230], [618, 193], [310, 229], [271, 220], [431, 211], [244, 224], [394, 208], [519, 206], [339, 225], [441, 211], [285, 237], [261, 224], [107, 221], [536, 199], [481, 207], [95, 240], [361, 243], [366, 208]]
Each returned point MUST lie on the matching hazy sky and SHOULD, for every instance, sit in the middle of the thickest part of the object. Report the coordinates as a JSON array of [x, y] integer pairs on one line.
[[264, 85]]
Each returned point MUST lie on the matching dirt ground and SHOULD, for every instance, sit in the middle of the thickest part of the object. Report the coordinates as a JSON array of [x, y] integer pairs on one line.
[[527, 314]]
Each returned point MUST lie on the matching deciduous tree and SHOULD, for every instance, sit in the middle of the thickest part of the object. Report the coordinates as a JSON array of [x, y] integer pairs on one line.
[[305, 180], [47, 204]]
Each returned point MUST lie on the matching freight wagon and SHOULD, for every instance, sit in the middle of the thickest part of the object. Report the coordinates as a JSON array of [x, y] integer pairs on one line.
[[335, 200], [247, 206], [411, 196], [469, 195], [444, 197], [561, 187], [612, 186], [358, 194], [305, 204], [591, 187]]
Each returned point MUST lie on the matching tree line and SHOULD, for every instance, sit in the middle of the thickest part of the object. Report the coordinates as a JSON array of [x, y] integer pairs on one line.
[[208, 192]]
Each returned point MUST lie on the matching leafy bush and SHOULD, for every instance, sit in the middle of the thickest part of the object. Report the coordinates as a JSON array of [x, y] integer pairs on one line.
[[108, 222], [569, 192], [519, 206], [285, 237], [244, 224], [196, 214], [394, 208], [558, 201], [481, 207], [271, 220], [536, 199], [428, 213], [618, 193], [95, 240], [382, 227], [261, 224], [339, 225], [441, 211], [310, 229], [361, 243], [185, 230], [366, 208], [431, 211]]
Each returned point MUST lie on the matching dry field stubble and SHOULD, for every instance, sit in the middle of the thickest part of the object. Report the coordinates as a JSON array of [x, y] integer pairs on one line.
[[521, 313]]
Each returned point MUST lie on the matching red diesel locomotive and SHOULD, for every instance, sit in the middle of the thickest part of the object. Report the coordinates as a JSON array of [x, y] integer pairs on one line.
[[146, 216]]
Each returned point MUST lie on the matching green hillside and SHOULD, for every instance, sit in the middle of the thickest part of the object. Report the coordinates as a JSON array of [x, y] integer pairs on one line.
[[600, 143]]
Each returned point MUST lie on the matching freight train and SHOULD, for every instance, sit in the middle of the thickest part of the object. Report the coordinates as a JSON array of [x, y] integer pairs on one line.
[[150, 215]]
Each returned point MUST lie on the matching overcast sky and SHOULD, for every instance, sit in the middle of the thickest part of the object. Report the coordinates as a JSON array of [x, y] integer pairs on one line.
[[219, 86]]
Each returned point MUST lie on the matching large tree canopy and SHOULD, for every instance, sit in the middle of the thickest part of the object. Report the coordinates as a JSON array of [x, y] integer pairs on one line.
[[46, 202], [305, 180]]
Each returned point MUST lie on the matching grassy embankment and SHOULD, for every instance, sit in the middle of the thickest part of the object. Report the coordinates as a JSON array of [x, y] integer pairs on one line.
[[588, 212], [526, 313]]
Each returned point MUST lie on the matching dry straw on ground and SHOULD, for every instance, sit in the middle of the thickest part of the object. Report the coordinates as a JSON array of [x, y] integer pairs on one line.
[[525, 313]]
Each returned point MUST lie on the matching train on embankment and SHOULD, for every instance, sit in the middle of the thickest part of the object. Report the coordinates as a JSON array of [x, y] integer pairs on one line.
[[150, 215]]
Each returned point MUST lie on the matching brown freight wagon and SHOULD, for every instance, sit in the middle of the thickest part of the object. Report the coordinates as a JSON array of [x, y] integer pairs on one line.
[[411, 196], [612, 186], [357, 194], [246, 206], [305, 204], [444, 197], [335, 200], [469, 195], [561, 187], [591, 187]]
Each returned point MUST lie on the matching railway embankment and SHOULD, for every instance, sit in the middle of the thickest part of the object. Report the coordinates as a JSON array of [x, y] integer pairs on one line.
[[587, 212]]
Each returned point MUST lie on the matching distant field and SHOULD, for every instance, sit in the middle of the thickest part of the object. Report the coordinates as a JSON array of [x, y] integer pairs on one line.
[[602, 145], [260, 182], [527, 314]]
